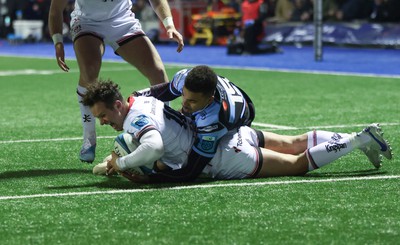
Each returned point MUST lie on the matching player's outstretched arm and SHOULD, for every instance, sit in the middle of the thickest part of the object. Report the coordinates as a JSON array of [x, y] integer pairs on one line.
[[160, 91], [55, 28]]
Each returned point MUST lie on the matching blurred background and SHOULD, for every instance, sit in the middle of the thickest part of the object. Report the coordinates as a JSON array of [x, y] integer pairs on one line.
[[372, 23]]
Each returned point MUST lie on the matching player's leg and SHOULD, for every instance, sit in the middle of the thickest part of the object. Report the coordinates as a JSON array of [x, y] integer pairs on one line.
[[319, 136], [299, 143], [369, 138], [141, 53], [296, 144], [283, 143], [89, 50], [279, 164]]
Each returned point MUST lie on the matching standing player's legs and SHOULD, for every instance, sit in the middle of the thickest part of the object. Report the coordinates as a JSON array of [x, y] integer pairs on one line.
[[88, 50], [141, 53]]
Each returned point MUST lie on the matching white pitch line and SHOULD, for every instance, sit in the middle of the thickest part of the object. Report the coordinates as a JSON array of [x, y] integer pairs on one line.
[[274, 126], [281, 127], [51, 140], [270, 127], [26, 72], [188, 187], [174, 64]]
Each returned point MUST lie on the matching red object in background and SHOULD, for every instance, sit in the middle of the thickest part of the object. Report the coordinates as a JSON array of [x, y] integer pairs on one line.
[[182, 12], [250, 10]]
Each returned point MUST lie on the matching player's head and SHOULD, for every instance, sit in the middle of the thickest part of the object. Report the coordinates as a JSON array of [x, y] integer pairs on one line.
[[199, 89], [106, 103]]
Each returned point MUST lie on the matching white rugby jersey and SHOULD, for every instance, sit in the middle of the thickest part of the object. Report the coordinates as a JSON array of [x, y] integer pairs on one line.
[[148, 113], [100, 10]]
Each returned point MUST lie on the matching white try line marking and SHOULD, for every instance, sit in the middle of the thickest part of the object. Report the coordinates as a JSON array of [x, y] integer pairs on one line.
[[52, 140], [205, 186], [51, 72], [173, 64], [269, 127], [281, 127]]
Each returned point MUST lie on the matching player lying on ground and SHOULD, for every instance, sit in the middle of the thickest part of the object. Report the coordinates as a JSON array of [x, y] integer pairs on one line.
[[217, 107], [165, 134]]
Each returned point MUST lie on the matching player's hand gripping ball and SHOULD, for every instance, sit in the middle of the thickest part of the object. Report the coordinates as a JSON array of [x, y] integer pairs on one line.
[[125, 144]]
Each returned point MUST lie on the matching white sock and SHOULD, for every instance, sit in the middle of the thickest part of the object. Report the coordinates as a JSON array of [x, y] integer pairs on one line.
[[87, 119], [327, 152], [316, 137]]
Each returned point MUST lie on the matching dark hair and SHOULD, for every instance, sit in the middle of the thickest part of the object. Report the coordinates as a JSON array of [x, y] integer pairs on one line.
[[201, 79], [103, 91]]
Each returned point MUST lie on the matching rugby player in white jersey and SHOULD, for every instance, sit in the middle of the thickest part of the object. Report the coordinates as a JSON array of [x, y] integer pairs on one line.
[[163, 133], [216, 105], [167, 135], [95, 23]]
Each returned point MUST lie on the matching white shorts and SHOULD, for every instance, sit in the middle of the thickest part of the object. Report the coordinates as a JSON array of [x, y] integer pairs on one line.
[[114, 32], [238, 156]]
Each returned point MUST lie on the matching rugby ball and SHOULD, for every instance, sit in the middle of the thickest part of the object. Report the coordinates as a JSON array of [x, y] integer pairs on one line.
[[125, 144]]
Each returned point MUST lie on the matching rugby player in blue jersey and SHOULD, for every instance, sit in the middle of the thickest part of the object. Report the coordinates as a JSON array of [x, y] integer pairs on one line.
[[215, 105], [167, 136], [218, 108]]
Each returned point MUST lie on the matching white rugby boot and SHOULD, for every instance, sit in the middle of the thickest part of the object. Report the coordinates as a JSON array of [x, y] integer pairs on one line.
[[377, 147]]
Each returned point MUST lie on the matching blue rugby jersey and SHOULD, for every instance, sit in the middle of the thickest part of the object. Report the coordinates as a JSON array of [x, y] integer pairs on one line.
[[230, 109]]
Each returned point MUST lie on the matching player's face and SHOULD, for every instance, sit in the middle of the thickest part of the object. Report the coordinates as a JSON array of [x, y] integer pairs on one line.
[[113, 117], [192, 102]]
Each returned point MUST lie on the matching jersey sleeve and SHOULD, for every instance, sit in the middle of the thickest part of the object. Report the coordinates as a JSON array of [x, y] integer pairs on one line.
[[209, 130], [142, 128], [149, 150], [166, 91], [178, 81]]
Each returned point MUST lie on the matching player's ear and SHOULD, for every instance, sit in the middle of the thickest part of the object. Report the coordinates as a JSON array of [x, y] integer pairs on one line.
[[118, 105]]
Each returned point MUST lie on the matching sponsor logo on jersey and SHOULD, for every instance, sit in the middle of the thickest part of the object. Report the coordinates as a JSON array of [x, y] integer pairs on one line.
[[207, 142], [140, 121], [208, 129], [240, 140], [153, 106]]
